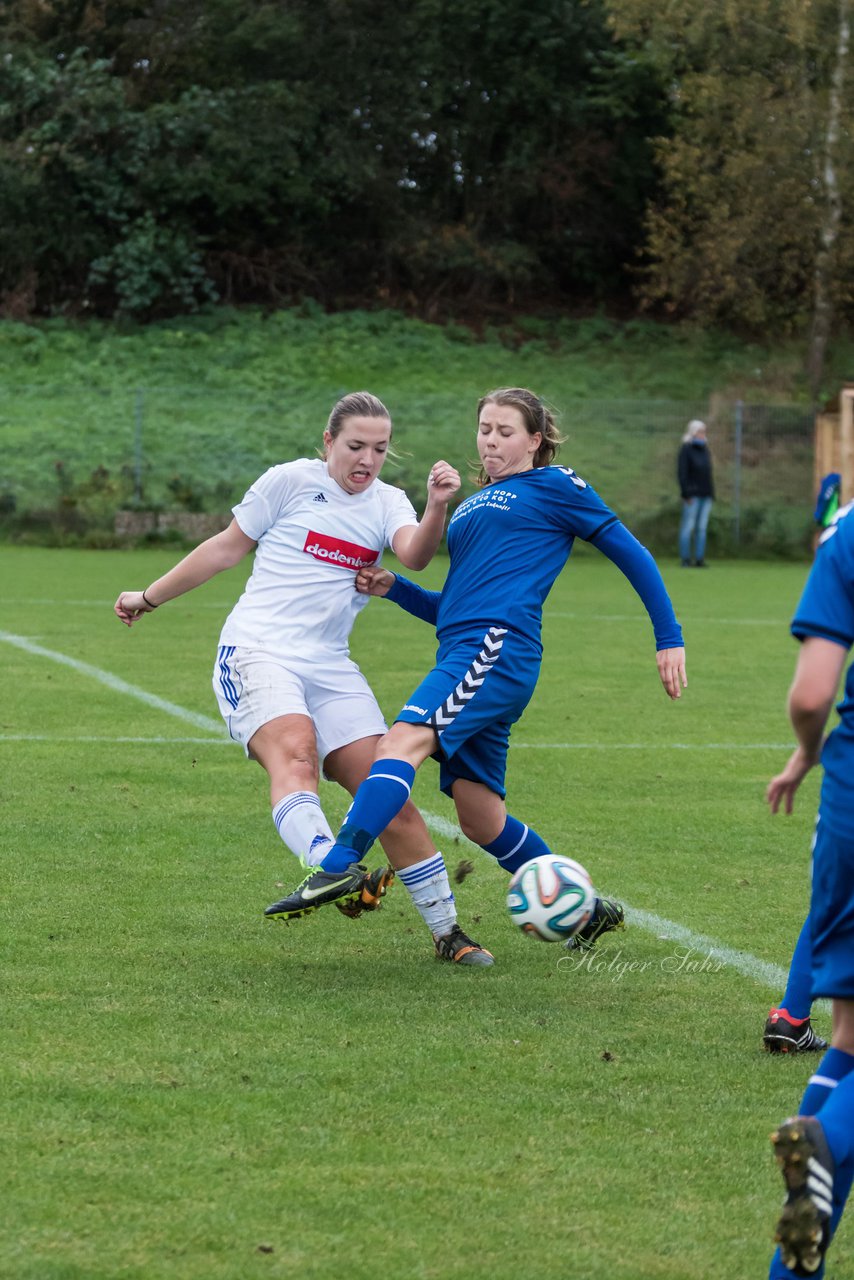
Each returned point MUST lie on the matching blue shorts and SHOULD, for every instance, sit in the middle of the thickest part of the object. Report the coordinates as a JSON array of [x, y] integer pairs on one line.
[[832, 913], [479, 687]]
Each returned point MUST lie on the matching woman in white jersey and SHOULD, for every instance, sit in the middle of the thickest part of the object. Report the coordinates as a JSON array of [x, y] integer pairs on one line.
[[285, 683]]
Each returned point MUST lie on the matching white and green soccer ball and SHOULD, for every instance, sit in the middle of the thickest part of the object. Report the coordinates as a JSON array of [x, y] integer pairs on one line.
[[551, 897]]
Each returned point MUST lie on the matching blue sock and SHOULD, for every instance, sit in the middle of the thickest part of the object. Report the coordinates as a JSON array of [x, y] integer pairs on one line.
[[835, 1114], [797, 998], [379, 799], [834, 1066], [837, 1119], [516, 845]]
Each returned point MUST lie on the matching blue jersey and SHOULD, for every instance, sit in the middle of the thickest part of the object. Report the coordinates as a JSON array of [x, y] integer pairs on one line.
[[506, 546], [508, 543], [826, 609]]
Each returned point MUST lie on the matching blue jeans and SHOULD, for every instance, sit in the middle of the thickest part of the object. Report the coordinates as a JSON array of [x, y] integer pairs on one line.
[[695, 519]]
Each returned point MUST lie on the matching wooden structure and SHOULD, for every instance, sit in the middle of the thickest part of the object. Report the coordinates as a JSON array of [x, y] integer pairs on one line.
[[834, 442]]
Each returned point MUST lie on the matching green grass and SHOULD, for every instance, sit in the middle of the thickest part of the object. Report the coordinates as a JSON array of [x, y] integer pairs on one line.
[[188, 1092], [191, 411]]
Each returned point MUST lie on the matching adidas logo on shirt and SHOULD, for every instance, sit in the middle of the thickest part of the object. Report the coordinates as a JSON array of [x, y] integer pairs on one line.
[[318, 497]]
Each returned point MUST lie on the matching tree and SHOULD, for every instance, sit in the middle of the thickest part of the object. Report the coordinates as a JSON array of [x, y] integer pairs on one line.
[[442, 154], [757, 171], [830, 218]]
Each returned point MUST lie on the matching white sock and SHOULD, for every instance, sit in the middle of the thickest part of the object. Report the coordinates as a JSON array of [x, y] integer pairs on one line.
[[302, 824], [430, 890]]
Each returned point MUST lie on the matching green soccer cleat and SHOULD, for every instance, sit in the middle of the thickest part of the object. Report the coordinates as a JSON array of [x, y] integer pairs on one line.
[[320, 888], [803, 1230], [605, 916], [460, 949]]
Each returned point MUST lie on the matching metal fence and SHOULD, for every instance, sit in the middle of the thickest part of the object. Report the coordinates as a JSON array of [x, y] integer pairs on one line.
[[72, 456]]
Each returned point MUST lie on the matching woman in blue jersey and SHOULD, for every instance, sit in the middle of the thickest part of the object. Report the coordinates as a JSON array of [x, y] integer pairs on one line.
[[507, 544], [815, 1148]]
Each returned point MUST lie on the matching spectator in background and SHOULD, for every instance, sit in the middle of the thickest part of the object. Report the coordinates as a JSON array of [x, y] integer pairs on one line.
[[698, 493]]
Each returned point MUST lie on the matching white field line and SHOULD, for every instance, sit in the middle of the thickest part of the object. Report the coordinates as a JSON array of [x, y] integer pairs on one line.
[[743, 962], [116, 684], [770, 975], [95, 737]]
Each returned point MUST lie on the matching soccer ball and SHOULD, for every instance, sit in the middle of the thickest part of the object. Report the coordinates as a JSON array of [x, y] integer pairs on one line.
[[551, 897]]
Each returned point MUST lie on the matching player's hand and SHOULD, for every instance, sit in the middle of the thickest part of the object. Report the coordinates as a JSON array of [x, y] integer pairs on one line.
[[130, 607], [374, 582], [443, 482], [671, 668], [781, 790]]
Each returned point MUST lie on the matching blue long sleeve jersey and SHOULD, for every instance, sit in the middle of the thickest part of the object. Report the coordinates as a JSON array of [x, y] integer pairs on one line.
[[508, 543]]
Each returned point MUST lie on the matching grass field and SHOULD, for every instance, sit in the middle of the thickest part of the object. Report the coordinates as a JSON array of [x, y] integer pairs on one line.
[[188, 1092], [190, 411]]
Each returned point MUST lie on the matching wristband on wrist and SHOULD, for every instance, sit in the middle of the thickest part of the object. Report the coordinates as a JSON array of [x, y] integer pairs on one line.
[[148, 602]]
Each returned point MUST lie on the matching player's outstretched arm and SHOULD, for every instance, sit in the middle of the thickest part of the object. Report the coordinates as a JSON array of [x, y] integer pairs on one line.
[[635, 562], [222, 551], [415, 545]]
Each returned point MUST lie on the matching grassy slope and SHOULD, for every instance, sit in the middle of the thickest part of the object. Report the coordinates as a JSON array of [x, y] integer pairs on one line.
[[181, 1083], [226, 395]]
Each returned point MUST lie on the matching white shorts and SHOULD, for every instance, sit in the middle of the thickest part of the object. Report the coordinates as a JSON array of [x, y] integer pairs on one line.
[[253, 687]]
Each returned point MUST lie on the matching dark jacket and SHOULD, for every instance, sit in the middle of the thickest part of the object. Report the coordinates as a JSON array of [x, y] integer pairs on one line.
[[695, 470]]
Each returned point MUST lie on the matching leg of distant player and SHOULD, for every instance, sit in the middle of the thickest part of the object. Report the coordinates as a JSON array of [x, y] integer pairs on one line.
[[797, 998], [788, 1028], [703, 513], [686, 528]]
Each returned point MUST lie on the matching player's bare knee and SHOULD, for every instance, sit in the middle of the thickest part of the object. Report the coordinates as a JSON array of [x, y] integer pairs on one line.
[[478, 829], [407, 822], [305, 769], [292, 770]]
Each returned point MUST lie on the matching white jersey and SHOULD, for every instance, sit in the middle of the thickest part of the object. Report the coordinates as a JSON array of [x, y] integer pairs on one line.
[[301, 600]]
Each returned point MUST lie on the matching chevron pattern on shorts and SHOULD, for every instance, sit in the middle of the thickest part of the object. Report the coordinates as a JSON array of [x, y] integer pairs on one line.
[[471, 681]]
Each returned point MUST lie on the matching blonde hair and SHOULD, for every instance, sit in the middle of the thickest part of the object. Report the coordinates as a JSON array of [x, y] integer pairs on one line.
[[537, 417], [695, 426]]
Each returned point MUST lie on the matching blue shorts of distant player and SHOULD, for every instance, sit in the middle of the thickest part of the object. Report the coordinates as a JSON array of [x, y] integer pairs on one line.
[[479, 687], [832, 912]]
